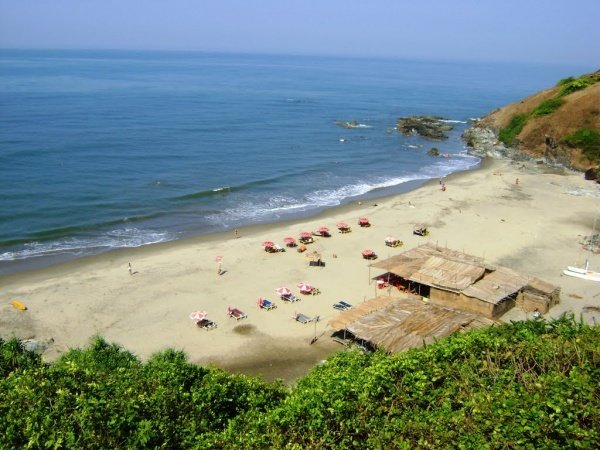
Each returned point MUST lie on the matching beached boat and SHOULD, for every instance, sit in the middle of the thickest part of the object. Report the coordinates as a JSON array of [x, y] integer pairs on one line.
[[585, 272], [582, 272]]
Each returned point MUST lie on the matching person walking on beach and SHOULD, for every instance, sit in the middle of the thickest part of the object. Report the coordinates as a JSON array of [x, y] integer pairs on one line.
[[236, 233], [130, 269]]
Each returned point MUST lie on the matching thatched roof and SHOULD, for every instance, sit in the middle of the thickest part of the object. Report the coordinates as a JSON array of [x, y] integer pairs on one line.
[[340, 321], [497, 285], [458, 272], [407, 323]]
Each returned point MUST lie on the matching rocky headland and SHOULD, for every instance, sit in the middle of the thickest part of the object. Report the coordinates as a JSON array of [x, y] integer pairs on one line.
[[558, 126]]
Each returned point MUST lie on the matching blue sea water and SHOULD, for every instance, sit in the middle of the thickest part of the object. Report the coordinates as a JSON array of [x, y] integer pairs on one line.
[[109, 149]]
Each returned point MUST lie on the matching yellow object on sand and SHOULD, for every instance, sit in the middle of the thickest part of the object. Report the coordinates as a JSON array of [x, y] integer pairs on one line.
[[17, 304]]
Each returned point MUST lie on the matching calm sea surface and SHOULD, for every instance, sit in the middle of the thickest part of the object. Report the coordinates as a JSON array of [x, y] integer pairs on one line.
[[102, 149]]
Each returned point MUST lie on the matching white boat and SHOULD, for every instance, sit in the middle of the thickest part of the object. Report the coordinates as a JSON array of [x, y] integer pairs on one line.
[[584, 272]]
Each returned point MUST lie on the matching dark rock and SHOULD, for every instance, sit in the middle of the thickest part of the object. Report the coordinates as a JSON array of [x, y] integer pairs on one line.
[[429, 127], [591, 174]]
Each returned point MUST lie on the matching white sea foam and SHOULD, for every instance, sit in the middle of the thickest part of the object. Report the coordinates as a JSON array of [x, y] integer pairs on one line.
[[78, 246]]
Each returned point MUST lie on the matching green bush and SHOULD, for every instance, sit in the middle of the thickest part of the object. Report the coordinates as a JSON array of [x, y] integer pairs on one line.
[[547, 107], [571, 85], [587, 140], [532, 384], [509, 133]]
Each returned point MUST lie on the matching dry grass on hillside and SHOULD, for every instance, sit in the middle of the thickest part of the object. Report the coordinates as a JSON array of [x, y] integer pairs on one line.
[[580, 110]]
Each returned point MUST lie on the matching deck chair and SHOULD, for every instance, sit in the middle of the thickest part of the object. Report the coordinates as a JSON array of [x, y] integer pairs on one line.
[[303, 318], [342, 305], [206, 324], [290, 298], [236, 313], [263, 303]]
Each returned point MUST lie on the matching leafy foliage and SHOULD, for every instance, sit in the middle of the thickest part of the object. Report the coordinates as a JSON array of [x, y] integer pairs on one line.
[[570, 85], [587, 140], [531, 384], [547, 107], [509, 133]]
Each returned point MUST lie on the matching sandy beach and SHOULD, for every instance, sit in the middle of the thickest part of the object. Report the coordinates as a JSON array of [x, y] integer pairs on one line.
[[535, 226]]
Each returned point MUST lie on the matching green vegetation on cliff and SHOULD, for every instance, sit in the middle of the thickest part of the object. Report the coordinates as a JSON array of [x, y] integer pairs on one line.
[[567, 86], [587, 140], [529, 384]]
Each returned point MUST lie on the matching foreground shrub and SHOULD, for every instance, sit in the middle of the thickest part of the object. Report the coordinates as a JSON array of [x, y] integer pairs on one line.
[[529, 384]]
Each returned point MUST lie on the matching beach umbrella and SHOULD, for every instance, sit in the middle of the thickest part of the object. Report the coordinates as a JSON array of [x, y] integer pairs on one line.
[[289, 240], [283, 291], [323, 230], [363, 220], [342, 225], [305, 287], [305, 234], [268, 244], [368, 252], [197, 316], [219, 258]]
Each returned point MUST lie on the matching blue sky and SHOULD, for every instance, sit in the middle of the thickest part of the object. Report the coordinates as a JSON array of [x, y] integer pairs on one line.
[[550, 31]]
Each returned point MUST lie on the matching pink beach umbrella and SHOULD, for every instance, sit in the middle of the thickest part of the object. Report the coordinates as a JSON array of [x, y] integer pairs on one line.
[[363, 220], [342, 225], [305, 234], [323, 230], [268, 244], [197, 316], [368, 252], [305, 288], [289, 240], [283, 291]]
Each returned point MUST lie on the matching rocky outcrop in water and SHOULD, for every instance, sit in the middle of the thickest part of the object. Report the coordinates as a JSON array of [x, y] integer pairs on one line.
[[429, 127]]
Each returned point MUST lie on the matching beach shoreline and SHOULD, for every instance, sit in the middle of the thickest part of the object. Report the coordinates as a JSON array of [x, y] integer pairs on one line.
[[533, 226]]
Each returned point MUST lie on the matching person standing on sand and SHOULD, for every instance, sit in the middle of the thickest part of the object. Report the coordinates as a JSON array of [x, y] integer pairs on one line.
[[236, 233], [130, 269]]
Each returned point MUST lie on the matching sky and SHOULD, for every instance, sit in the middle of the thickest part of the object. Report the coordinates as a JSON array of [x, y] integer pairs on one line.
[[541, 31]]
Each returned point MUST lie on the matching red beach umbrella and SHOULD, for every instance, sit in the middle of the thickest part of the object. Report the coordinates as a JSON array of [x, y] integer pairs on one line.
[[197, 316], [289, 240], [305, 288], [368, 252], [363, 220], [305, 234], [268, 244], [342, 225], [283, 291], [323, 230]]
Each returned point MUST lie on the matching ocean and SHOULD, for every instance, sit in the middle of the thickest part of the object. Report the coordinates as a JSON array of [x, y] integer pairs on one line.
[[109, 149]]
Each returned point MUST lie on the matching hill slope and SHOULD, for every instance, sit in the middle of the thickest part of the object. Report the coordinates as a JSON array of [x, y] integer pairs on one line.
[[543, 125]]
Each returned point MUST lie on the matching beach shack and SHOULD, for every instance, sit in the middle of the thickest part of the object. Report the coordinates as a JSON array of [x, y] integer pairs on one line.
[[460, 281], [398, 324]]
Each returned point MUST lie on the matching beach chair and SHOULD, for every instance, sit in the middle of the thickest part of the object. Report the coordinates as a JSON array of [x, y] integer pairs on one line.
[[342, 306], [303, 318], [206, 324], [235, 313], [420, 230], [391, 242], [263, 303], [290, 298]]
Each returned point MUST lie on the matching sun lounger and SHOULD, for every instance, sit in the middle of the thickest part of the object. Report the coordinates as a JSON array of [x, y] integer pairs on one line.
[[263, 303], [290, 298], [206, 324], [236, 313], [342, 305], [303, 318], [317, 263]]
